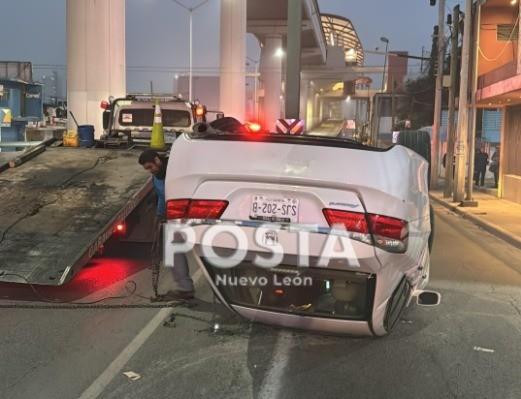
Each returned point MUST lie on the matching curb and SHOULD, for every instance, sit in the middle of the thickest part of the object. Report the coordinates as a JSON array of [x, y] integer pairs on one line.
[[491, 228]]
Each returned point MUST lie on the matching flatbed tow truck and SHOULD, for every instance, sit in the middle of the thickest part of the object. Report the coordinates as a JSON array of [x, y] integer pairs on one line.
[[60, 205], [59, 208]]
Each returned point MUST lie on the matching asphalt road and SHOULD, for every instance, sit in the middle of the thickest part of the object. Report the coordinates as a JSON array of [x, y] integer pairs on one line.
[[468, 347]]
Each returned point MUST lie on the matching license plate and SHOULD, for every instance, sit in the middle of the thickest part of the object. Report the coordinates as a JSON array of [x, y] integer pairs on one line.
[[274, 209]]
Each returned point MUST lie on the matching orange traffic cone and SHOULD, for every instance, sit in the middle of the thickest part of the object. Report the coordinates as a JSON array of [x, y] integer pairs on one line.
[[157, 139]]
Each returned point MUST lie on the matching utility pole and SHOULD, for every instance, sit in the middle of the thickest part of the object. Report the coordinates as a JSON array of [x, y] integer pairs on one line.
[[435, 140], [393, 104], [449, 160], [385, 40], [191, 11], [473, 114], [463, 114], [421, 62]]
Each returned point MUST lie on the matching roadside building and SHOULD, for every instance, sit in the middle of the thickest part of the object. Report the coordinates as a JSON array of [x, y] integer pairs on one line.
[[499, 86]]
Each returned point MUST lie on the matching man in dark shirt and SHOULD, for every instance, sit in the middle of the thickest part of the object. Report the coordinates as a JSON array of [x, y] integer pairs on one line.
[[480, 167]]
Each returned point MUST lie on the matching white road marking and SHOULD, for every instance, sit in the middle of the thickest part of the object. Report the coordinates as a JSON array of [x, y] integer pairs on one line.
[[272, 385], [480, 349], [100, 383]]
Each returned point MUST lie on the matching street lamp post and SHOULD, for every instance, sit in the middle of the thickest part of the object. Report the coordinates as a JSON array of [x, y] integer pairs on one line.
[[191, 11], [256, 86], [386, 41]]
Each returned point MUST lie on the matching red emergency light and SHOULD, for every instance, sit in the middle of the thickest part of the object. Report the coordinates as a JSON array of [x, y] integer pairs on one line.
[[253, 127]]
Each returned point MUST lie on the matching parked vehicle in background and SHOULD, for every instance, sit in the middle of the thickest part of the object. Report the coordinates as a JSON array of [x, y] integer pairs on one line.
[[132, 117]]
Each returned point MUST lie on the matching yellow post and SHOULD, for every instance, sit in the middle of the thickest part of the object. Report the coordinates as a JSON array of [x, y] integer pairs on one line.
[[157, 139]]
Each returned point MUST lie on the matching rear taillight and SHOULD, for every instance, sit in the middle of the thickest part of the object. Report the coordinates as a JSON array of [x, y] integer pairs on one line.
[[389, 233], [206, 209], [177, 209], [354, 223], [195, 209], [383, 231]]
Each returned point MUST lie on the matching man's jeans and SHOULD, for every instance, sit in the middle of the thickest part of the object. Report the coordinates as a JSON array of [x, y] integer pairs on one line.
[[181, 273]]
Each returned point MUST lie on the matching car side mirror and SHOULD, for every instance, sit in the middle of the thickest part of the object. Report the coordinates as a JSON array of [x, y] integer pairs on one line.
[[428, 298]]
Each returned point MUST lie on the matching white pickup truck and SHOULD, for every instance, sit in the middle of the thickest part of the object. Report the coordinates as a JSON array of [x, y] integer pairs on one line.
[[306, 232], [132, 117]]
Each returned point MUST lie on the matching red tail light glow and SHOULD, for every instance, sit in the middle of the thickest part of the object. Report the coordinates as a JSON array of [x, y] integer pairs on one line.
[[383, 231], [195, 209], [120, 228]]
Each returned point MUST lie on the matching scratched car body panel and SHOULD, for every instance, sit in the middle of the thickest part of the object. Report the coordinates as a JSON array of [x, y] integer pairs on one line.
[[368, 190]]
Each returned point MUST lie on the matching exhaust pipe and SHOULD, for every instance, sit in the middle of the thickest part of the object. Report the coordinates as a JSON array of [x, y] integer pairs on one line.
[[427, 298]]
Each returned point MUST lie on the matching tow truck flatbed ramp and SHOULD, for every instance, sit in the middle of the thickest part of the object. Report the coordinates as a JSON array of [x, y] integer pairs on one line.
[[58, 209]]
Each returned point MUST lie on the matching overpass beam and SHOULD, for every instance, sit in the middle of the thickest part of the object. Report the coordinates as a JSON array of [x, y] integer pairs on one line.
[[233, 58], [293, 59], [96, 67], [271, 76]]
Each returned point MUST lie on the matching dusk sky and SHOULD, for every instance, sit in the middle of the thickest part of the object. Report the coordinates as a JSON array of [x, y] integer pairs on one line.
[[157, 33]]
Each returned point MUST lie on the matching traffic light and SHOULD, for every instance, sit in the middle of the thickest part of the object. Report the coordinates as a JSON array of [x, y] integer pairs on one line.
[[433, 2]]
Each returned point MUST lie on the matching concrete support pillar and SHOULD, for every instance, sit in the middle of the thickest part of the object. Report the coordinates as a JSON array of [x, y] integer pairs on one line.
[[233, 58], [294, 51], [96, 67], [271, 77]]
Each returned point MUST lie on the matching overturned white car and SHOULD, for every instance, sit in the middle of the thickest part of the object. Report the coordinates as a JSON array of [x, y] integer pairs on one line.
[[307, 232]]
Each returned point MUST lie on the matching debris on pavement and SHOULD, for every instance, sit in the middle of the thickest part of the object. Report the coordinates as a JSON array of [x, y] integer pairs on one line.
[[132, 376], [480, 349]]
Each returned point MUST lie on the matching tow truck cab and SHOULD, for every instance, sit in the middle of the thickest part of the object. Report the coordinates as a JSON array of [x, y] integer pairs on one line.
[[133, 116]]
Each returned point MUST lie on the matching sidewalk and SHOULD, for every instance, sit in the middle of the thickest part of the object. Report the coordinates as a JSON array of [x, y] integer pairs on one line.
[[499, 217]]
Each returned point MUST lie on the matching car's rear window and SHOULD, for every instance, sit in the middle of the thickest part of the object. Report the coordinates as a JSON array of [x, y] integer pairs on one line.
[[145, 117]]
